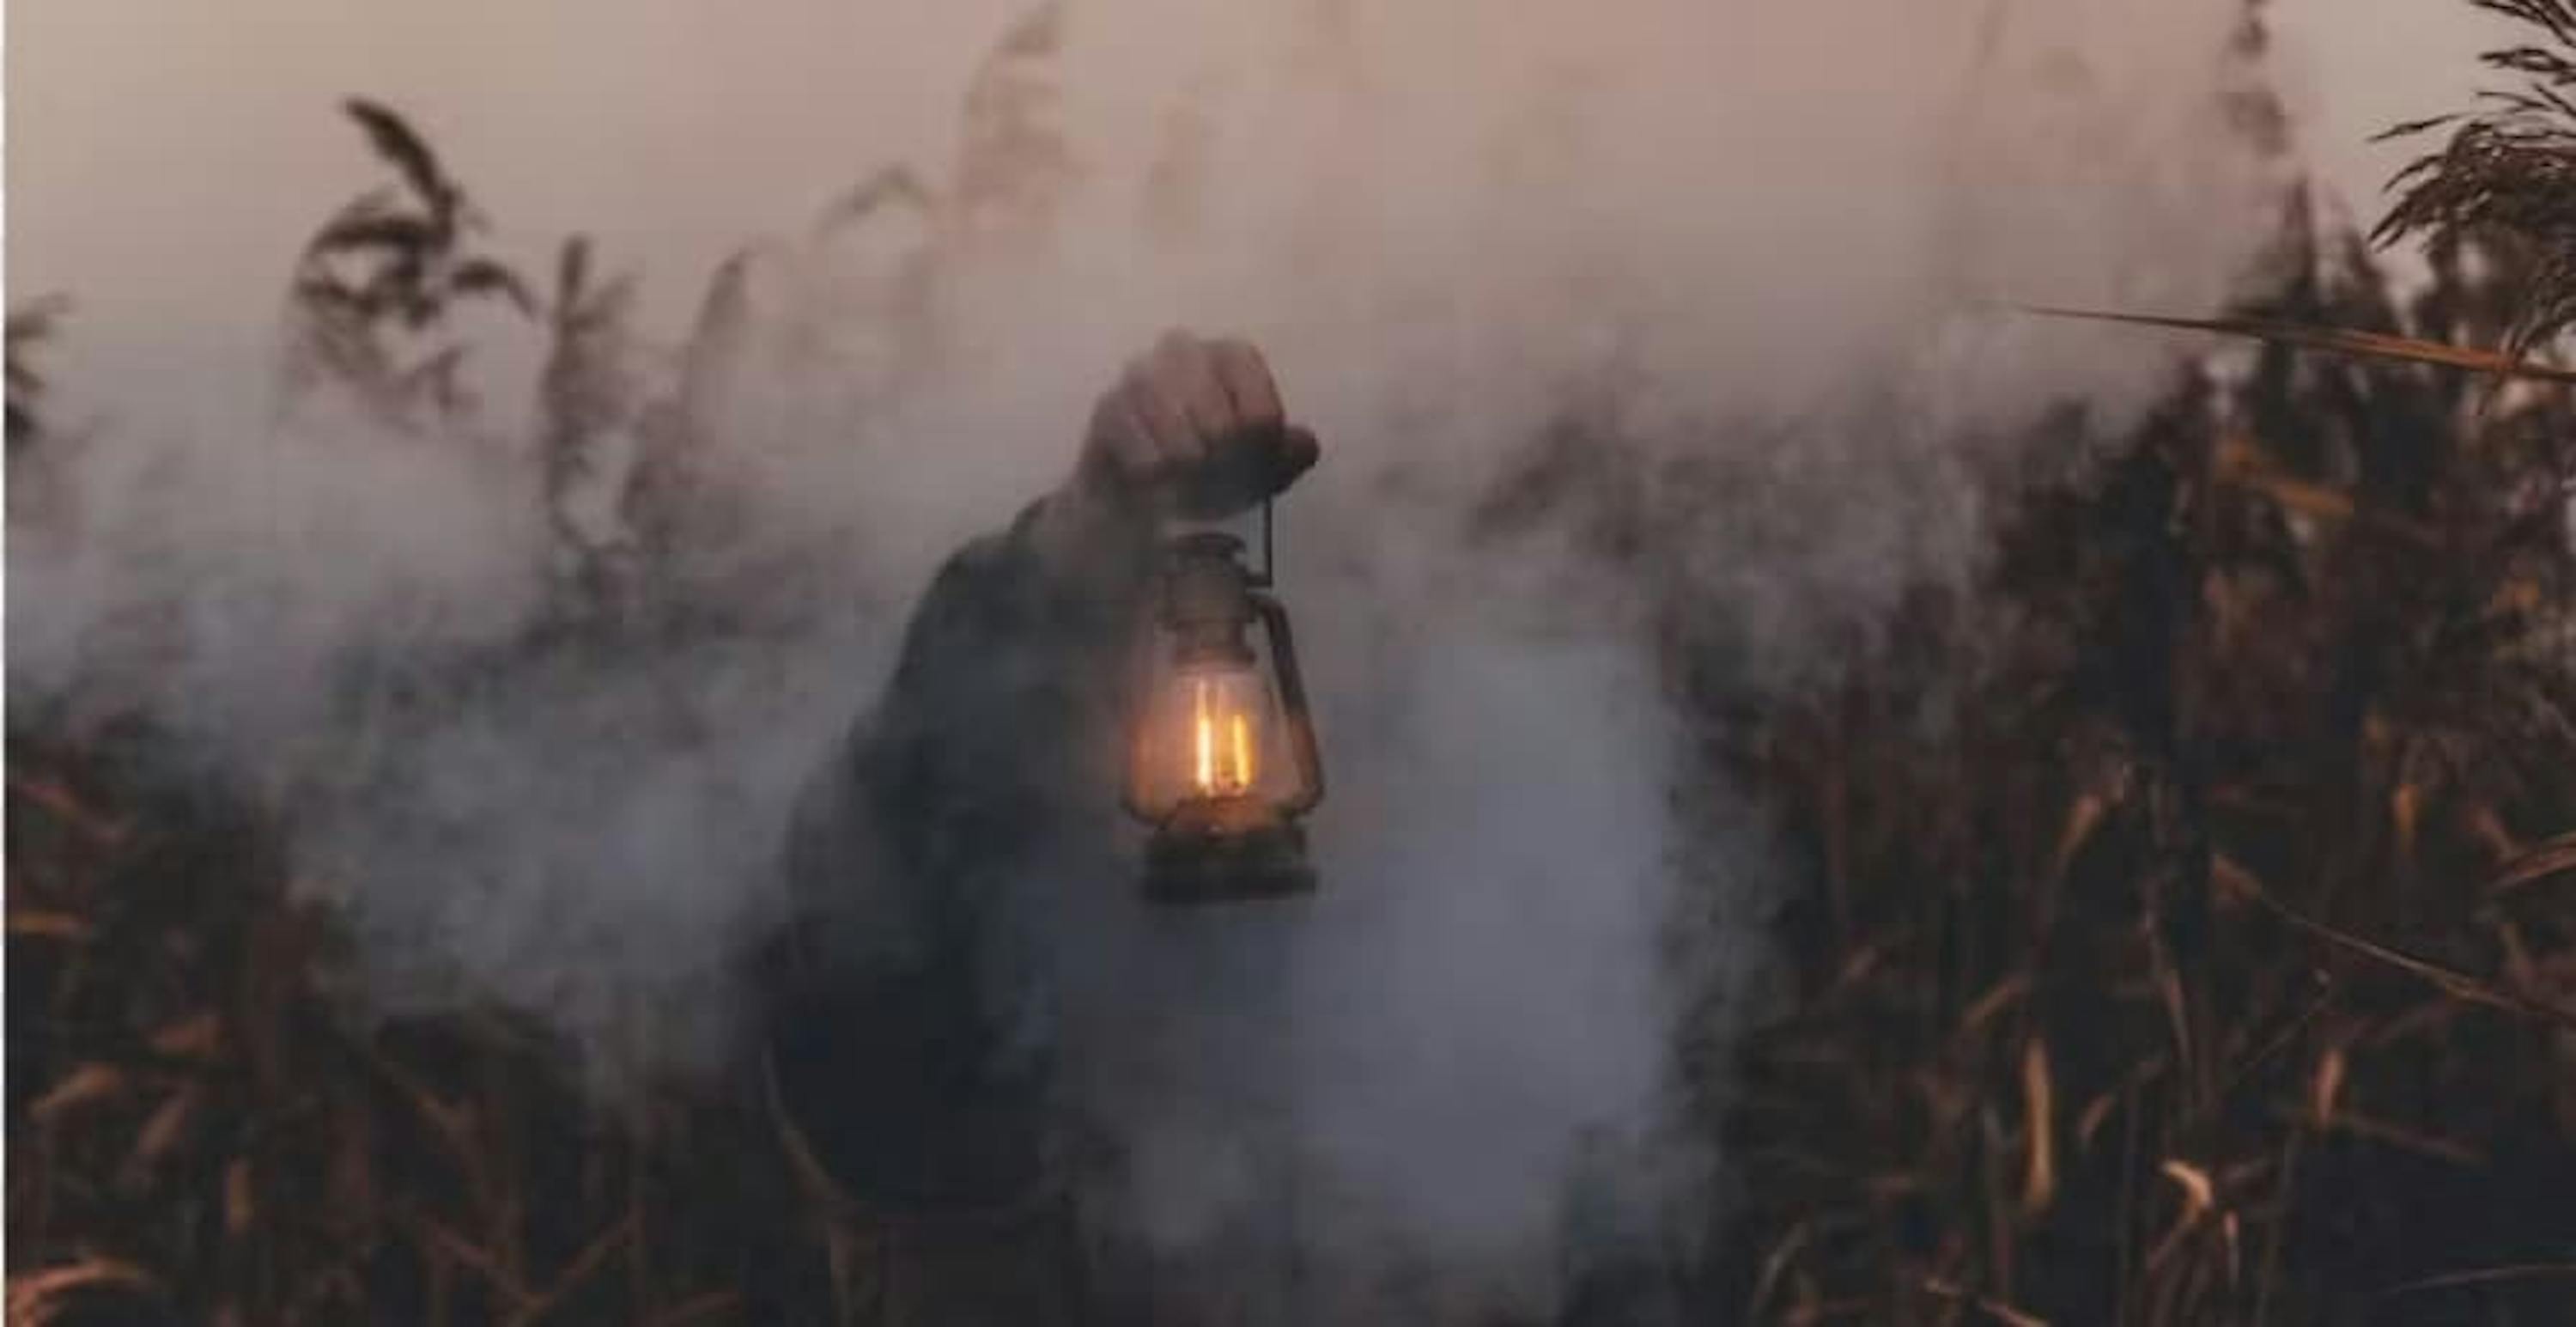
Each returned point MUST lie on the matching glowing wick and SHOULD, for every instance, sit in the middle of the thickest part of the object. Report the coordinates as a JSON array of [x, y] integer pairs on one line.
[[1206, 731]]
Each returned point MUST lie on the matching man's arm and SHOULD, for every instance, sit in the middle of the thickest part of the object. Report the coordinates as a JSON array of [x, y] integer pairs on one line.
[[896, 1052]]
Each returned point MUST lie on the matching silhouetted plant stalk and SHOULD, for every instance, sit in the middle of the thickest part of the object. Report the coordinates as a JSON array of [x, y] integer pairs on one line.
[[383, 273], [30, 325], [38, 449], [595, 405], [1013, 164]]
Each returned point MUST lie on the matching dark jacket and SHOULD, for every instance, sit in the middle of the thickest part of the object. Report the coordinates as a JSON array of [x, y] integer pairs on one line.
[[911, 1032]]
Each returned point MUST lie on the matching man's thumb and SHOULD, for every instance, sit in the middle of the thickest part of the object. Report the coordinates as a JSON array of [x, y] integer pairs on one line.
[[1298, 452]]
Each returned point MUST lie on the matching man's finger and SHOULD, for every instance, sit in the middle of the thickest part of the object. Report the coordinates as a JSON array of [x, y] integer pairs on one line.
[[1245, 376], [1133, 452], [1162, 417], [1185, 372]]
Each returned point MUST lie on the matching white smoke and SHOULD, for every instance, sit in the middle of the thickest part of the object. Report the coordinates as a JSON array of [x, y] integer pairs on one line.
[[1759, 231]]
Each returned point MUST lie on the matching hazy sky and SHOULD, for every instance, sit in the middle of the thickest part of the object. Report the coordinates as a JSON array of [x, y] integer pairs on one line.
[[166, 156]]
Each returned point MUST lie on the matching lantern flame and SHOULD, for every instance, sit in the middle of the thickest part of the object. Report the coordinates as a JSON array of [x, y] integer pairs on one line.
[[1222, 767], [1205, 731]]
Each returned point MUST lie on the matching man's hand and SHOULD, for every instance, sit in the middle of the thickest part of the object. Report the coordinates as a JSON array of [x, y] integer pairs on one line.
[[1193, 429]]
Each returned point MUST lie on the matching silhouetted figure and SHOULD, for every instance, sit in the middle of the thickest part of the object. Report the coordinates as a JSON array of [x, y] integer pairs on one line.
[[970, 978], [914, 1034]]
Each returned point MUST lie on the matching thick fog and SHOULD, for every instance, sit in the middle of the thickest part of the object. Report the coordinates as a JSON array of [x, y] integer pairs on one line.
[[1758, 236]]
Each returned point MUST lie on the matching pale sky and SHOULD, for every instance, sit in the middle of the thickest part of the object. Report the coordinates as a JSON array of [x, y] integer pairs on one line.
[[155, 144], [165, 156]]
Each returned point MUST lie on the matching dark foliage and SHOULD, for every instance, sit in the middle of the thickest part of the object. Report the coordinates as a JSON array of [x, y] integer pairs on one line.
[[2189, 937], [2508, 168], [199, 1134]]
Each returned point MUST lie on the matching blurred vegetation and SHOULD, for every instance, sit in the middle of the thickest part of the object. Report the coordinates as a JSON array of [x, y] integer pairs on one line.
[[2182, 928], [2191, 925], [2189, 937], [201, 1128]]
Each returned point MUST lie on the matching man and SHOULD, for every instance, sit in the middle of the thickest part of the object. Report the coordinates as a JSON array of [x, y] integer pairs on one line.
[[942, 864]]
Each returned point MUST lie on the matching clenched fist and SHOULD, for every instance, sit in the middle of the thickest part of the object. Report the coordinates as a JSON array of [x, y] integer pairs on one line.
[[1194, 429]]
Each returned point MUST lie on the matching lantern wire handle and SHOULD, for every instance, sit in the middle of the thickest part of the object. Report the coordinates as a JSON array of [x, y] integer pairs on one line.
[[1292, 697], [1265, 578]]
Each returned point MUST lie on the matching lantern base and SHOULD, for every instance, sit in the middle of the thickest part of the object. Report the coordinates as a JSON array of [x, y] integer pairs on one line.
[[1226, 850]]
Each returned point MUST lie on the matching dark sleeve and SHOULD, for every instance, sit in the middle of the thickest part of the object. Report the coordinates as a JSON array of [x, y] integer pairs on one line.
[[897, 1055]]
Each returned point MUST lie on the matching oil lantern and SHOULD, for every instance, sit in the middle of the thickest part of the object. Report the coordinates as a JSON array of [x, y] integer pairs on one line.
[[1223, 759]]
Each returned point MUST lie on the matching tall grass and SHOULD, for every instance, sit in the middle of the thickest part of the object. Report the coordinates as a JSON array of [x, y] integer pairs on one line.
[[2188, 936]]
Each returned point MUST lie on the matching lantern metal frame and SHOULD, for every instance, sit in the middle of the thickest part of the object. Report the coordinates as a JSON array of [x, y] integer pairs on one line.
[[1213, 848]]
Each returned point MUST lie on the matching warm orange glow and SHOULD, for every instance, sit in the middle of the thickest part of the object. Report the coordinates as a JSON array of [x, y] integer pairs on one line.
[[1221, 765], [1205, 731]]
